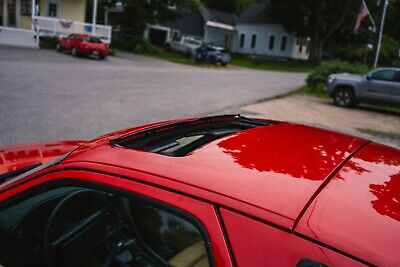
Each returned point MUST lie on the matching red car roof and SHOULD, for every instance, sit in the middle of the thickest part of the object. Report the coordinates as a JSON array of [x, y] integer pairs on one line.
[[275, 168]]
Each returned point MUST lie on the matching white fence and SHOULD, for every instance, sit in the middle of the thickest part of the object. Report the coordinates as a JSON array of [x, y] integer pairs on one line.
[[18, 37], [54, 27]]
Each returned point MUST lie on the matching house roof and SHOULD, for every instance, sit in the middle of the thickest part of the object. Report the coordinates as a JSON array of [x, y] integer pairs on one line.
[[256, 14], [190, 22], [218, 16]]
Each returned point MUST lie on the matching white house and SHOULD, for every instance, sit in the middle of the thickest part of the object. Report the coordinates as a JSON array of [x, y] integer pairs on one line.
[[212, 26], [260, 35]]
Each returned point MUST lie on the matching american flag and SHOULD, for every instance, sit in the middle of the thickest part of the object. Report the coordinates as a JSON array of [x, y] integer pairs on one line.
[[364, 12]]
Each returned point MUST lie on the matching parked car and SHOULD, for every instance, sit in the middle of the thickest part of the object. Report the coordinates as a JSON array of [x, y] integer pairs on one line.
[[213, 55], [215, 191], [185, 45], [381, 86], [83, 45]]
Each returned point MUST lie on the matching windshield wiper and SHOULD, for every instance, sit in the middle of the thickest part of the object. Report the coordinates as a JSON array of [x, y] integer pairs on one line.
[[8, 175]]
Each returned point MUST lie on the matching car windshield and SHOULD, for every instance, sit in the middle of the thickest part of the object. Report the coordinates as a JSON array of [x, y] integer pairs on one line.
[[94, 40]]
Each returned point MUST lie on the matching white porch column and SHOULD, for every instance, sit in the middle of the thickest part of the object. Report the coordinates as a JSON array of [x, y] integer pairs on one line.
[[5, 13], [33, 14], [94, 17], [17, 13]]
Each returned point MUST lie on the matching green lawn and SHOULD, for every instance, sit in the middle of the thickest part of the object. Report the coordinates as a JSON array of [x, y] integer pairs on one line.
[[240, 61], [274, 65]]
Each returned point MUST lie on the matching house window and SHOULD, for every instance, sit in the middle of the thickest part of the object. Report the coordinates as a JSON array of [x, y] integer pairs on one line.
[[283, 43], [271, 42], [301, 45], [253, 41], [242, 38], [52, 8]]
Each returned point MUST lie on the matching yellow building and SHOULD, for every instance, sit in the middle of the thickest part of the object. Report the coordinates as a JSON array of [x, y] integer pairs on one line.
[[50, 18]]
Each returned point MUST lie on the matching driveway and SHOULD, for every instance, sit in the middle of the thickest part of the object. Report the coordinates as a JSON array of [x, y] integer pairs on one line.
[[372, 123], [47, 95]]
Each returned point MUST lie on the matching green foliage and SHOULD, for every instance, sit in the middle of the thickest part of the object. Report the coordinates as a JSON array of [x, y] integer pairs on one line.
[[138, 13], [317, 78], [272, 64], [48, 42], [389, 51], [136, 45], [232, 6]]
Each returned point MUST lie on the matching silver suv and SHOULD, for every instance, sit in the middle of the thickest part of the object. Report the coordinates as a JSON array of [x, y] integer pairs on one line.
[[381, 86]]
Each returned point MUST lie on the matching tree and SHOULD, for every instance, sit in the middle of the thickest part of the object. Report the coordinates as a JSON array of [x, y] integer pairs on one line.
[[138, 13], [314, 19], [232, 6]]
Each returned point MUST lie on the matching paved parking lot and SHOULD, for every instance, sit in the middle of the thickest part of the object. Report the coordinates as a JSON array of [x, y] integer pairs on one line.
[[47, 95]]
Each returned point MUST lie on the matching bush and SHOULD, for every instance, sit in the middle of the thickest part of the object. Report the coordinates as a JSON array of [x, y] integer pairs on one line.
[[48, 42], [320, 74], [135, 44]]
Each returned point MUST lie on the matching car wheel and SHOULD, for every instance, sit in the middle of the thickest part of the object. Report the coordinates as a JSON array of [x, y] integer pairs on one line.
[[74, 52], [58, 47], [344, 97]]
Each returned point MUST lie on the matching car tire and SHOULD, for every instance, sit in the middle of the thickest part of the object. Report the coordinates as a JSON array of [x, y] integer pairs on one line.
[[58, 47], [344, 97]]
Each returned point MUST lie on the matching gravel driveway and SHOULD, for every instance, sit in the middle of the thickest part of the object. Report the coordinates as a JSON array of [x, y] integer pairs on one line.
[[47, 95], [322, 113]]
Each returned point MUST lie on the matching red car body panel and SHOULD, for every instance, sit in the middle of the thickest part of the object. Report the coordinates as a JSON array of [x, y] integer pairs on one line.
[[333, 196], [278, 247], [83, 47], [18, 156], [359, 210]]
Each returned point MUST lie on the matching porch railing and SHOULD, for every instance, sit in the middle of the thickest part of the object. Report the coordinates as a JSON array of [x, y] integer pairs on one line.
[[54, 27]]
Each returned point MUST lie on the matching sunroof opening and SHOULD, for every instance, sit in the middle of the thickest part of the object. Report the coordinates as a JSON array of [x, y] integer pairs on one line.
[[180, 139]]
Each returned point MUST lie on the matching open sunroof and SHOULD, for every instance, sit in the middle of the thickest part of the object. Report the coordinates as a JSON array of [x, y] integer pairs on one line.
[[179, 139]]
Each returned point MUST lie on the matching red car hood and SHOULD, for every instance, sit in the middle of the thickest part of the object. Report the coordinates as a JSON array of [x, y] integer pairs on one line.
[[13, 157]]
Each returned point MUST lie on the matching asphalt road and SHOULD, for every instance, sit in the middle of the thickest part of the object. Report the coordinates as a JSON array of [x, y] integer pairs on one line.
[[45, 95]]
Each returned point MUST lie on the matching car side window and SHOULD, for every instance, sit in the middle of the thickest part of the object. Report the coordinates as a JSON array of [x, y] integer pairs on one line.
[[383, 75], [397, 76], [78, 226], [176, 240]]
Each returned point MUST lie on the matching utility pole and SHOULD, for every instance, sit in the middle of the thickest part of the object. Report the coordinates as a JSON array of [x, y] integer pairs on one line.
[[378, 34]]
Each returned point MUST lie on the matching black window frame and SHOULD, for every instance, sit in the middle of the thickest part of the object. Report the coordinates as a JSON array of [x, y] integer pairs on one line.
[[253, 40], [242, 40], [111, 189], [284, 40], [271, 45]]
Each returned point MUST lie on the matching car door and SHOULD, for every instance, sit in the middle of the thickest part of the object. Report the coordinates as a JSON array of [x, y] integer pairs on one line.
[[67, 41], [258, 243], [379, 85], [60, 219]]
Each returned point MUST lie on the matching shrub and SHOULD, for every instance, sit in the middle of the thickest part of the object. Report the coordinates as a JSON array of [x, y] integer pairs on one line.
[[320, 74], [135, 44], [48, 42]]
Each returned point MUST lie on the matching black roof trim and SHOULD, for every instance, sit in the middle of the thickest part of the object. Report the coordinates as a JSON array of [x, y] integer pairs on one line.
[[168, 139]]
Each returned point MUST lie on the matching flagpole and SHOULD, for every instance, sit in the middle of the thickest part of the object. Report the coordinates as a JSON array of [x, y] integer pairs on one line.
[[378, 34]]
